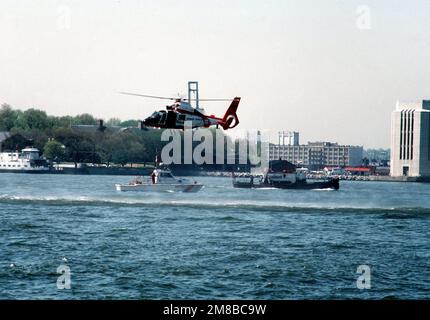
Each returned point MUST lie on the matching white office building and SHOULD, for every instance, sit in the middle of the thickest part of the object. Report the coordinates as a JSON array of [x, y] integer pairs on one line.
[[410, 139], [317, 155]]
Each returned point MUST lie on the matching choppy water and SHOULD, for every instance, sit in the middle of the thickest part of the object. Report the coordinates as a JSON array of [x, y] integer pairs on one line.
[[221, 243]]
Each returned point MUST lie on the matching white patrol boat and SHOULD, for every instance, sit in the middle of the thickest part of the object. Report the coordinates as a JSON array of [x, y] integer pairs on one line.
[[160, 181]]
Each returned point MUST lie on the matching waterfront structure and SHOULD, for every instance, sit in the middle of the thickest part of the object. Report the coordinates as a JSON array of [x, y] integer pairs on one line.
[[377, 155], [28, 160], [410, 139], [317, 155]]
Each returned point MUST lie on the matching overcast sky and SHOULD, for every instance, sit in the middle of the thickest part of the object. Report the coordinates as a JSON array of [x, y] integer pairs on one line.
[[332, 70]]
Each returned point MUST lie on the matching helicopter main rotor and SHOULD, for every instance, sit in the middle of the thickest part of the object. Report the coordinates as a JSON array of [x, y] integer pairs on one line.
[[170, 98]]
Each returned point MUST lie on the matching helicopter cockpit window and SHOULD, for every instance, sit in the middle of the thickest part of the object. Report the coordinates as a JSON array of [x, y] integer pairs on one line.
[[154, 115], [181, 117]]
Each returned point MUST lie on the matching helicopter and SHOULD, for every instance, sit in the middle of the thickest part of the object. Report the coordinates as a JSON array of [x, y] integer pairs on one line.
[[181, 112]]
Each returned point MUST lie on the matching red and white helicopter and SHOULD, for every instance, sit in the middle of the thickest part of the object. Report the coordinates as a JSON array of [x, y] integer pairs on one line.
[[181, 112]]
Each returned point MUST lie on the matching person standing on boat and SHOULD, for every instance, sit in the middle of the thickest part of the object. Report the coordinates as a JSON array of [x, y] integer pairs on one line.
[[156, 176]]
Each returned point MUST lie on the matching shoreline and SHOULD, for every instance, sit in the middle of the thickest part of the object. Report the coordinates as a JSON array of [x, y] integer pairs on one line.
[[219, 174]]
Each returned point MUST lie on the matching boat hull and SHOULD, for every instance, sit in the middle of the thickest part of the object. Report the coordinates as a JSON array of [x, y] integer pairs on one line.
[[330, 184], [191, 188], [33, 171]]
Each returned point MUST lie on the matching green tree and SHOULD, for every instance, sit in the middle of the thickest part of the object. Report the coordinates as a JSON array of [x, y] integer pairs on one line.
[[113, 122], [8, 117], [129, 123], [79, 147], [54, 150], [126, 147], [59, 122], [136, 152], [32, 119], [38, 137], [151, 140], [84, 119]]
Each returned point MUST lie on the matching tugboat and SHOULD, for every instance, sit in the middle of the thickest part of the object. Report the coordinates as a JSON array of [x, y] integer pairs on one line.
[[160, 180], [283, 175]]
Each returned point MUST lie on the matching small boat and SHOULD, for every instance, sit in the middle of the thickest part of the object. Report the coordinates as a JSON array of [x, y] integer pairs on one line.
[[160, 181], [282, 174]]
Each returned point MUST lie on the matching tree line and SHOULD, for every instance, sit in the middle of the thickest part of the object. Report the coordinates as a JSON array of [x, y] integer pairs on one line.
[[60, 142], [35, 119]]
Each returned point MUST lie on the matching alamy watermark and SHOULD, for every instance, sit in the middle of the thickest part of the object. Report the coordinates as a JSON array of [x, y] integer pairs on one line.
[[364, 18], [365, 278], [252, 149], [64, 18], [64, 281]]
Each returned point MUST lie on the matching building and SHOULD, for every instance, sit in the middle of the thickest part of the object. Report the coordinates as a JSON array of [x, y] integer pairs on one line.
[[290, 138], [377, 155], [352, 171], [410, 139], [317, 155]]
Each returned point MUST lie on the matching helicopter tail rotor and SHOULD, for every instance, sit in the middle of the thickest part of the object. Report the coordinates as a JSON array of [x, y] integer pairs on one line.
[[230, 119]]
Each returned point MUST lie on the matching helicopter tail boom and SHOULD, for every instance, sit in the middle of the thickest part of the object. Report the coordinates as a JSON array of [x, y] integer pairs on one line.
[[230, 119]]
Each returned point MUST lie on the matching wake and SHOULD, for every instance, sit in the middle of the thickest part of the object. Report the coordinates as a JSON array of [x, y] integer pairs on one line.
[[199, 204]]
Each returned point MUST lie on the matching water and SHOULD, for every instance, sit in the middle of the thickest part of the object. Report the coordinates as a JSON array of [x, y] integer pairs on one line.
[[221, 243]]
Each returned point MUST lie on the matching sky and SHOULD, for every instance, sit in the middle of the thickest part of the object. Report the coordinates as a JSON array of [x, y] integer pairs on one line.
[[330, 69]]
